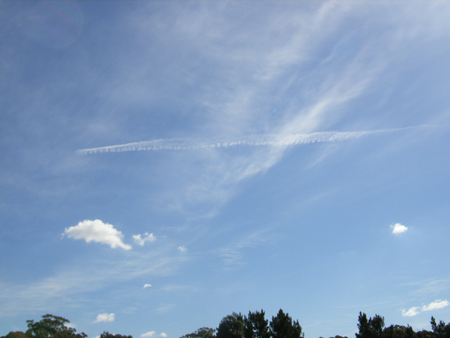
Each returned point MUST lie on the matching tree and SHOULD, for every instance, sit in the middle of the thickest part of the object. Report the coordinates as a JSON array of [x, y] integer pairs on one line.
[[256, 325], [51, 327], [372, 328], [106, 334], [440, 330], [204, 332], [231, 326], [282, 326], [425, 334], [17, 334], [399, 331]]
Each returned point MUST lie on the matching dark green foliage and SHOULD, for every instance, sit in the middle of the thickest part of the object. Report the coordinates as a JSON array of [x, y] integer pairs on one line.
[[51, 327], [282, 326], [399, 331], [17, 334], [372, 328], [231, 326], [106, 334], [440, 330], [256, 325], [425, 334], [204, 332]]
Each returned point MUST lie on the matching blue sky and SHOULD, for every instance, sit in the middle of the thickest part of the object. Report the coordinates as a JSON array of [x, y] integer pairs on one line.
[[165, 163]]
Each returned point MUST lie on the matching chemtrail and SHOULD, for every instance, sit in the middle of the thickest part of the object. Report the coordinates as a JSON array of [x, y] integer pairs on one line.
[[252, 140]]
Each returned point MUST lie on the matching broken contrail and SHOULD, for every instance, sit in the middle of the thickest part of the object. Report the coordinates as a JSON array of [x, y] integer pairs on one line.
[[252, 140]]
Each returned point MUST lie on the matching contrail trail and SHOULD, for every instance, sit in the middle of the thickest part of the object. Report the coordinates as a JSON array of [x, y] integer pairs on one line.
[[252, 140]]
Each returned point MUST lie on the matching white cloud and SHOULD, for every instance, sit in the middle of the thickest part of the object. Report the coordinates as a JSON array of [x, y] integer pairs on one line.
[[152, 334], [105, 317], [97, 231], [437, 304], [147, 286], [182, 249], [252, 140], [398, 228], [147, 238], [411, 312]]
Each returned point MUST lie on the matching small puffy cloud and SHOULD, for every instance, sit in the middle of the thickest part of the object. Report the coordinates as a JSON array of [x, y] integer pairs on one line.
[[147, 286], [411, 312], [437, 304], [163, 335], [398, 228], [105, 317], [99, 232], [182, 249], [147, 238]]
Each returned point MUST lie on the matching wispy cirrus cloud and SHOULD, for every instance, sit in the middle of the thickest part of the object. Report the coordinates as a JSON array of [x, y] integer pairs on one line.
[[69, 286], [437, 304], [233, 255], [236, 107]]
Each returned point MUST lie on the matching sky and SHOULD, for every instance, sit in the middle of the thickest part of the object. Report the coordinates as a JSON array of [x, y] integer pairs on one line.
[[167, 163]]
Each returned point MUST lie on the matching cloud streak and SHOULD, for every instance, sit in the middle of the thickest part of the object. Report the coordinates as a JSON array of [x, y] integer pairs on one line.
[[252, 140], [437, 304]]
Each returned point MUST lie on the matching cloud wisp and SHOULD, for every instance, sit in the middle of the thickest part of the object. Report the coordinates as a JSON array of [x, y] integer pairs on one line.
[[437, 304], [252, 140], [99, 232], [147, 238]]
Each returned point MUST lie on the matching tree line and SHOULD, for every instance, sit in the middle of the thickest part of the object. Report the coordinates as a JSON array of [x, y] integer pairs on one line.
[[253, 325]]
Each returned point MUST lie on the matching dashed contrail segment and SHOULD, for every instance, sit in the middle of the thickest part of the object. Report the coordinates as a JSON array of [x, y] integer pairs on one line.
[[252, 140]]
